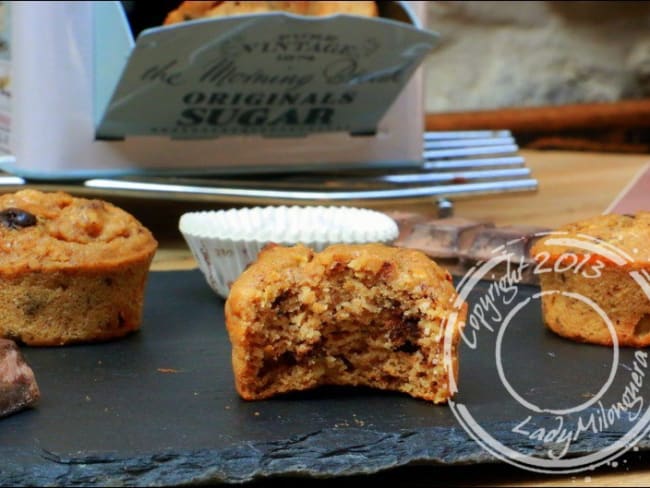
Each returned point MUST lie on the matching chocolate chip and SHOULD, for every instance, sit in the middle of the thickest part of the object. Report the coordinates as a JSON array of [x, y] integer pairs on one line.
[[408, 347], [15, 218], [285, 360], [346, 362]]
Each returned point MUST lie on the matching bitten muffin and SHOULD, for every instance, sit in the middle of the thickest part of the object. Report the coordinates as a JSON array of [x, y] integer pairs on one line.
[[597, 260], [354, 314], [71, 269]]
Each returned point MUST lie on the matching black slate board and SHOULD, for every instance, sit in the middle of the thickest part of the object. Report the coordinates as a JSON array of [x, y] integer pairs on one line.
[[159, 407]]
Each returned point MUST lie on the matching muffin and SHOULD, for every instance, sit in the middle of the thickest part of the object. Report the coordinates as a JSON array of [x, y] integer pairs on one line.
[[71, 269], [593, 271], [353, 314], [191, 10], [322, 8]]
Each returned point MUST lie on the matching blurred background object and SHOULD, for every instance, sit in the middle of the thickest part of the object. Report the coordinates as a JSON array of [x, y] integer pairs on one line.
[[560, 75], [143, 15]]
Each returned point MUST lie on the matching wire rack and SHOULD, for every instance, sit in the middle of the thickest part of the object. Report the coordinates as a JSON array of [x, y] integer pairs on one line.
[[454, 165]]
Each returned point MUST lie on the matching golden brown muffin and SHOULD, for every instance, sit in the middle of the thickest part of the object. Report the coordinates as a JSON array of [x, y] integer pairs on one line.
[[353, 314], [225, 9], [571, 272], [191, 10], [366, 9], [71, 269]]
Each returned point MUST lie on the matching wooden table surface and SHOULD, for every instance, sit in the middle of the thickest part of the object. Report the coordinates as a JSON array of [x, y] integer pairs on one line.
[[572, 185]]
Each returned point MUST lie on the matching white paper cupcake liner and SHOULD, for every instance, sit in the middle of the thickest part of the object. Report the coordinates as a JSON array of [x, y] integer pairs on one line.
[[225, 242]]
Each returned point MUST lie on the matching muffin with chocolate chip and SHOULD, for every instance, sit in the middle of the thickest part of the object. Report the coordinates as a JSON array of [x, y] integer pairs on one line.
[[353, 314], [71, 269]]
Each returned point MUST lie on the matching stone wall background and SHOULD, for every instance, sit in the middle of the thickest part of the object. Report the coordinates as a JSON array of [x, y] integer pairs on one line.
[[510, 54]]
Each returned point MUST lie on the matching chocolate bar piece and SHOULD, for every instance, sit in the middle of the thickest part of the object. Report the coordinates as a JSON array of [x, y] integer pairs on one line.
[[405, 221], [18, 387], [459, 244], [489, 242], [514, 242], [440, 239], [445, 238]]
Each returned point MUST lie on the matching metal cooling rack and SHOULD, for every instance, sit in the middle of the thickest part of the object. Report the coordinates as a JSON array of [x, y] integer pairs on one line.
[[455, 164]]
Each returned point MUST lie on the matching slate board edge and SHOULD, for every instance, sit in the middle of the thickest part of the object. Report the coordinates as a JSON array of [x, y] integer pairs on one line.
[[322, 454]]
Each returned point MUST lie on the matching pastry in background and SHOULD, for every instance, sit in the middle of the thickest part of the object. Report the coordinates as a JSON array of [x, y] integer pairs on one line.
[[71, 269], [365, 9], [353, 314], [595, 261], [191, 10]]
